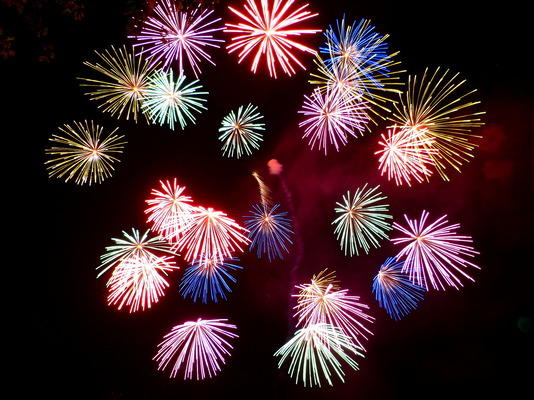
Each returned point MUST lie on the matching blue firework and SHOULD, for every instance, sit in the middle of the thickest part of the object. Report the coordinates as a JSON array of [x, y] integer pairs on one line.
[[207, 277], [269, 231], [358, 46], [395, 291]]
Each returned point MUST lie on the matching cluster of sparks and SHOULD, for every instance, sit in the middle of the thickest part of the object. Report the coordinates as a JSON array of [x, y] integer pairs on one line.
[[240, 131], [431, 130], [332, 328], [83, 153], [198, 347], [265, 31], [434, 254], [139, 264], [172, 35], [269, 231], [353, 80], [362, 220], [394, 290]]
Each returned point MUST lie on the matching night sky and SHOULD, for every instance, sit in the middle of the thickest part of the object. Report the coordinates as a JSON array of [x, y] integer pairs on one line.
[[65, 342]]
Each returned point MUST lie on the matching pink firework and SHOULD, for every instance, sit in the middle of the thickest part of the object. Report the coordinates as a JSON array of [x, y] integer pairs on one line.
[[331, 118], [321, 301], [211, 233], [433, 253], [265, 32], [170, 210], [174, 35], [199, 347], [139, 282], [406, 154]]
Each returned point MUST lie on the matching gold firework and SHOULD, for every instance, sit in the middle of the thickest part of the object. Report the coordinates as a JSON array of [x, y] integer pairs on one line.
[[83, 153], [431, 108], [127, 78]]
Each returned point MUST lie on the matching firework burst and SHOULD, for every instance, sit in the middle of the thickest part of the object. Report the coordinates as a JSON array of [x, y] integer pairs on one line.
[[135, 246], [394, 291], [240, 131], [171, 35], [266, 30], [362, 220], [212, 233], [316, 352], [433, 253], [127, 80], [358, 47], [83, 153], [139, 282], [321, 301], [433, 108], [269, 231], [198, 347], [169, 211], [208, 277], [406, 154], [167, 101], [331, 118]]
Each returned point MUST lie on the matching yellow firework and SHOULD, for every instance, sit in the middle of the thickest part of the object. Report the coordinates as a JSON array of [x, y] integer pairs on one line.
[[359, 85], [125, 84], [435, 108], [83, 153]]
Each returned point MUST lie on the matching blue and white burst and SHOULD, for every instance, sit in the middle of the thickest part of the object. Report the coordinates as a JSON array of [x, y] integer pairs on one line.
[[167, 100], [395, 291], [269, 231], [207, 277]]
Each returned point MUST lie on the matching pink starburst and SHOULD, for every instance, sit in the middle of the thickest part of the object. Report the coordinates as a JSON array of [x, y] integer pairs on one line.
[[170, 34], [433, 253], [199, 347], [139, 282], [170, 210], [331, 118], [321, 301], [210, 232], [267, 30]]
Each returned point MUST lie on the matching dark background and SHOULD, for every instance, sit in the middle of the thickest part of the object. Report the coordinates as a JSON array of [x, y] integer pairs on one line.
[[64, 342]]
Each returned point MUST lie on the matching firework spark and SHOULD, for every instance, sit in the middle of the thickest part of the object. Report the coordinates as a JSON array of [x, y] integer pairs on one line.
[[394, 291], [269, 231], [358, 85], [139, 282], [169, 211], [199, 347], [212, 233], [135, 247], [320, 301], [127, 80], [265, 192], [171, 35], [360, 48], [331, 117], [362, 220], [433, 253], [267, 31], [83, 153], [240, 131], [406, 154], [317, 352], [167, 101], [432, 108], [207, 277]]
